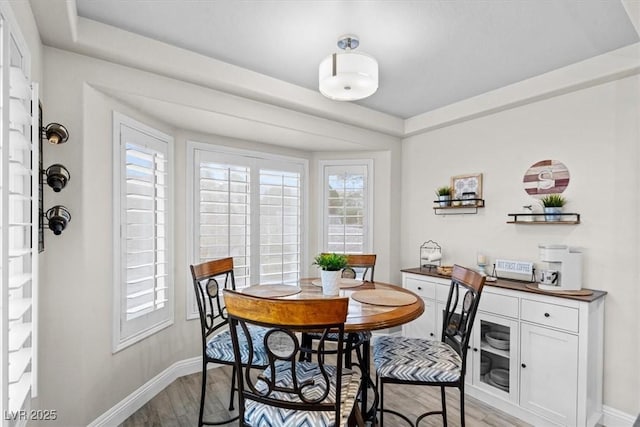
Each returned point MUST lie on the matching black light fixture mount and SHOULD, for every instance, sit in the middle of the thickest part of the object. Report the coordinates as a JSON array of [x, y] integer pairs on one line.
[[57, 176], [55, 133], [58, 217]]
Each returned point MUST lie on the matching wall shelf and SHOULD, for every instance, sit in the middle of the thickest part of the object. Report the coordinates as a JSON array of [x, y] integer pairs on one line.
[[471, 207], [539, 218]]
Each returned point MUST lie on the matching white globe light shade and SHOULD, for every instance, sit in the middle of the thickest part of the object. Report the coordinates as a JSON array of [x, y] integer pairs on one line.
[[348, 76]]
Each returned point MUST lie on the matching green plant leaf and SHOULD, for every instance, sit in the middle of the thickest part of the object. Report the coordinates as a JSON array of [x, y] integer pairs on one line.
[[553, 201], [444, 191], [330, 262]]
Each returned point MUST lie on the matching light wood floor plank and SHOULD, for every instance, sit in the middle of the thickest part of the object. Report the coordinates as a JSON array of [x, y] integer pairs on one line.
[[177, 405]]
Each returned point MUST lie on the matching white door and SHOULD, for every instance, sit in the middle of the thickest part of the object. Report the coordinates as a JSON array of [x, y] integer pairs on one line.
[[549, 373]]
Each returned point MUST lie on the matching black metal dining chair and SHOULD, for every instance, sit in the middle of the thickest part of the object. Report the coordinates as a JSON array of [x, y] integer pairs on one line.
[[209, 279], [417, 361], [359, 266], [290, 392]]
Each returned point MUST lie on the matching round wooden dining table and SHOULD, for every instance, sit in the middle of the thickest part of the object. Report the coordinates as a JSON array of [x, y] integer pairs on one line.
[[372, 306], [383, 307]]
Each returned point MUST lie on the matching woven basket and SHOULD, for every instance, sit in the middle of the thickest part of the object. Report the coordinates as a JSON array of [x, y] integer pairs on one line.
[[445, 270]]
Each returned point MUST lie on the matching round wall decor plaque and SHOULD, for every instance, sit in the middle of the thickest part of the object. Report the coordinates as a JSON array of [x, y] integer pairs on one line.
[[546, 177]]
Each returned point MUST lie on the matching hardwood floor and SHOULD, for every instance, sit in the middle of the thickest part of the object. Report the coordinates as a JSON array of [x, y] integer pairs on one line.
[[177, 405]]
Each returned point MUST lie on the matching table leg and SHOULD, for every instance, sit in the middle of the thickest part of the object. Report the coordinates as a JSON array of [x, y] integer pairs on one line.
[[365, 368]]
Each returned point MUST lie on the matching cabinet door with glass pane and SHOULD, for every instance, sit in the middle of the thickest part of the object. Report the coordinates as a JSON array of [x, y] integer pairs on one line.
[[496, 355]]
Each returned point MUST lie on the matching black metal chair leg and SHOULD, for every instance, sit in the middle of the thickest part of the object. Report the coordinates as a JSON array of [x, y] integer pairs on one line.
[[444, 405], [462, 405], [381, 402], [202, 391], [366, 372], [233, 388]]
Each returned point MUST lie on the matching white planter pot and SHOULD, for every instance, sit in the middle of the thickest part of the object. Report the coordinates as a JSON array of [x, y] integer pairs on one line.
[[552, 210], [444, 201], [330, 285]]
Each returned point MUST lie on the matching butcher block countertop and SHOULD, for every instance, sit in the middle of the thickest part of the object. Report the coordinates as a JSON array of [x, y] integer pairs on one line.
[[514, 285]]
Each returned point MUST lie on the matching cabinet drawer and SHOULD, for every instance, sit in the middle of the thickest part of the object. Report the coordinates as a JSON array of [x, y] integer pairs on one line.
[[503, 305], [442, 292], [554, 315], [421, 287]]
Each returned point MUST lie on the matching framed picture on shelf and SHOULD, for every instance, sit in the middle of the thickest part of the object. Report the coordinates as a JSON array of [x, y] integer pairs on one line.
[[466, 188]]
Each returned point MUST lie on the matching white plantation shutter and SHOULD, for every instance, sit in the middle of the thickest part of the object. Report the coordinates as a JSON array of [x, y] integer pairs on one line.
[[224, 209], [247, 206], [280, 220], [347, 206], [143, 248], [19, 219]]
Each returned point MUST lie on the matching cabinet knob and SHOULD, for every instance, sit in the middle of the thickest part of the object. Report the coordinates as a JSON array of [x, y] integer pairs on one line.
[[523, 365], [547, 315], [475, 349], [419, 288], [431, 334]]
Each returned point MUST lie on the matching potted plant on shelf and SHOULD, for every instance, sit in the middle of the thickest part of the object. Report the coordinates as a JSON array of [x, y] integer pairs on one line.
[[331, 266], [444, 195], [552, 204]]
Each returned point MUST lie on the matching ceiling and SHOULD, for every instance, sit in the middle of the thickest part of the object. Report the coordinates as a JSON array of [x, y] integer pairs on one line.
[[430, 53]]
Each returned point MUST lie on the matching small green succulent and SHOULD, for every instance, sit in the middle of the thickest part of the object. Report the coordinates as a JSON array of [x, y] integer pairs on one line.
[[444, 191], [330, 262], [553, 201]]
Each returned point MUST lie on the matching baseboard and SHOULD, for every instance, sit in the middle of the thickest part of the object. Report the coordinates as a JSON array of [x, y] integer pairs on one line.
[[615, 418], [130, 404]]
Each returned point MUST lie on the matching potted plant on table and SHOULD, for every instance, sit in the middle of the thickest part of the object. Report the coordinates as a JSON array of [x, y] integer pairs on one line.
[[552, 204], [444, 195], [331, 265]]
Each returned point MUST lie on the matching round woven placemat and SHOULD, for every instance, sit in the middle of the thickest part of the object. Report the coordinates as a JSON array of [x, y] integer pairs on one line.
[[577, 292], [271, 290], [343, 283], [384, 297]]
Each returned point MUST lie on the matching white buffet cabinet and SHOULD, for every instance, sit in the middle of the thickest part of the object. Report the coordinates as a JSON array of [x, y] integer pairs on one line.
[[552, 368]]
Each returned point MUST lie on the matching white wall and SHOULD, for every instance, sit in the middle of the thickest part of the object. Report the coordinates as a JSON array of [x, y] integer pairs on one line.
[[595, 132], [76, 309]]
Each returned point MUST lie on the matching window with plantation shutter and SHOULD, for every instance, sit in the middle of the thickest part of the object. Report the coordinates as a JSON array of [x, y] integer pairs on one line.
[[18, 224], [347, 205], [246, 205], [143, 216]]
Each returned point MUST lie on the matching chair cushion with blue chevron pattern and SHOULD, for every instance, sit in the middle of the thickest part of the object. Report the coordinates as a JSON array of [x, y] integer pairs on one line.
[[415, 359], [260, 415], [333, 336], [220, 347]]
